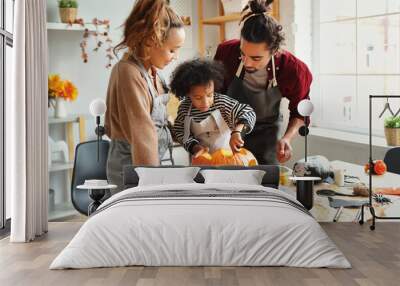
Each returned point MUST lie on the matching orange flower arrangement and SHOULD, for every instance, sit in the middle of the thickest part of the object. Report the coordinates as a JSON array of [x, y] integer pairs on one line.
[[59, 88]]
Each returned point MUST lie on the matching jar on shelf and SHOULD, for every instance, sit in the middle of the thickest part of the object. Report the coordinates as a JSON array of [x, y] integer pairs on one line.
[[60, 109]]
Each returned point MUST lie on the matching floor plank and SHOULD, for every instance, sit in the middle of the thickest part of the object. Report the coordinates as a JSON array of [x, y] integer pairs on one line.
[[375, 257]]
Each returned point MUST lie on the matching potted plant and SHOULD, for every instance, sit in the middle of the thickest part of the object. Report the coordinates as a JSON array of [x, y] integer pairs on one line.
[[60, 91], [392, 130], [68, 10]]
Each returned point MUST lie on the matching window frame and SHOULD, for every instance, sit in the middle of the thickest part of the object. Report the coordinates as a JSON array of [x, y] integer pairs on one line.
[[6, 39]]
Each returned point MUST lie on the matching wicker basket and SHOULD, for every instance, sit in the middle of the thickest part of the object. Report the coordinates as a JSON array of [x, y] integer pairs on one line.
[[392, 136], [68, 15]]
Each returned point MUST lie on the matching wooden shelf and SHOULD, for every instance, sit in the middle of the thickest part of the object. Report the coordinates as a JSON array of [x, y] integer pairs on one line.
[[73, 27], [61, 166], [222, 19], [80, 119], [69, 118]]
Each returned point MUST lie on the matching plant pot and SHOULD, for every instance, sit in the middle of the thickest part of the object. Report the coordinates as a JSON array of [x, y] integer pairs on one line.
[[61, 109], [392, 136], [68, 15]]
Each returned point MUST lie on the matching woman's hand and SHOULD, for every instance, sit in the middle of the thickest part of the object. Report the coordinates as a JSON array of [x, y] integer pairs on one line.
[[198, 150], [236, 141]]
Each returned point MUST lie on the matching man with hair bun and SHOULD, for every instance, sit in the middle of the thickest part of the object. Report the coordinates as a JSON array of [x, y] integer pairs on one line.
[[260, 73]]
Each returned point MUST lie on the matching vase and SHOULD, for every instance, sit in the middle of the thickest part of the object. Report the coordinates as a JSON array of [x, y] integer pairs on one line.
[[392, 136], [61, 109], [68, 15]]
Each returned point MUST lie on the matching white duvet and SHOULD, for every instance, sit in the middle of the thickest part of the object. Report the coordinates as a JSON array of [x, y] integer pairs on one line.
[[188, 231]]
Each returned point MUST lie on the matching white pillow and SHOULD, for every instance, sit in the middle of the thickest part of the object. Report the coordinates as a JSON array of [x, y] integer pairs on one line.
[[248, 177], [165, 176]]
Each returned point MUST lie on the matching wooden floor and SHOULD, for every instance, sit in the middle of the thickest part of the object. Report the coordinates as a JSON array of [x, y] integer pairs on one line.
[[375, 257]]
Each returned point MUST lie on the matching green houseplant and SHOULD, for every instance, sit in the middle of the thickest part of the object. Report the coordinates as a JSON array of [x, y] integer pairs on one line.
[[392, 130], [68, 10]]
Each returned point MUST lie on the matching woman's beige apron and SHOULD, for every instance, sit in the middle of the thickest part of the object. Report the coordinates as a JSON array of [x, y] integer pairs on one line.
[[119, 153]]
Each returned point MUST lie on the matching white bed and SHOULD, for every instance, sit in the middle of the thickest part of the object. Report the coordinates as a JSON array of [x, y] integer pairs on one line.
[[224, 225]]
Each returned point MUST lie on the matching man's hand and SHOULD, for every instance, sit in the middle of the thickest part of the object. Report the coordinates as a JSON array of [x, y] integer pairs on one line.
[[236, 142], [283, 150], [198, 150]]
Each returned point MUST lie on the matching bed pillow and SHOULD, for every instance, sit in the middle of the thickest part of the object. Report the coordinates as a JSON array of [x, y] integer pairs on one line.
[[166, 176], [247, 177]]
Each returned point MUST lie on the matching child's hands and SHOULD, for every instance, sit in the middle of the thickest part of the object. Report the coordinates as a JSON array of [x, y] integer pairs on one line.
[[198, 150], [236, 142]]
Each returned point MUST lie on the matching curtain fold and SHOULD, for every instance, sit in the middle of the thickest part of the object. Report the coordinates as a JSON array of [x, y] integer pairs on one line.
[[27, 133]]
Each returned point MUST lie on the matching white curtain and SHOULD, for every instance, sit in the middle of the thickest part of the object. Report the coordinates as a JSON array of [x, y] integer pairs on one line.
[[27, 129]]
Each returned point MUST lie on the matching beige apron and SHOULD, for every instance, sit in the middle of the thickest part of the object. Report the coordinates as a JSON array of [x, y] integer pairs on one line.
[[266, 104], [120, 154]]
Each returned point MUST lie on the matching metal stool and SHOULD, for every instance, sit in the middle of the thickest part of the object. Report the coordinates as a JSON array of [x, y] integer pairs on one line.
[[170, 151], [340, 204]]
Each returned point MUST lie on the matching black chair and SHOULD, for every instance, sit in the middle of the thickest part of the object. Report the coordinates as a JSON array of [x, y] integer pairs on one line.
[[86, 167], [392, 160]]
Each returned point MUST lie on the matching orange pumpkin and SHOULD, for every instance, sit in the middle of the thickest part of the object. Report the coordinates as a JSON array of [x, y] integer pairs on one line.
[[203, 158], [246, 157], [223, 157], [378, 167]]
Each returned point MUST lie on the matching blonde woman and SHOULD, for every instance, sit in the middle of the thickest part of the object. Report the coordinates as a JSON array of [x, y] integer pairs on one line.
[[136, 119]]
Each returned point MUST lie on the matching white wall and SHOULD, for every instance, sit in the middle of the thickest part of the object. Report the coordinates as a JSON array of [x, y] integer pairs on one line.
[[211, 32], [296, 19], [91, 78]]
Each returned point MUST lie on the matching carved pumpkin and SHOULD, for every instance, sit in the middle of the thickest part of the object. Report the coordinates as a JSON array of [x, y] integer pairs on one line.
[[203, 158], [246, 157], [223, 157], [378, 167]]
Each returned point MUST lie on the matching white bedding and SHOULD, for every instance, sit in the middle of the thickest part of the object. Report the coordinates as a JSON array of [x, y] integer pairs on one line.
[[183, 231]]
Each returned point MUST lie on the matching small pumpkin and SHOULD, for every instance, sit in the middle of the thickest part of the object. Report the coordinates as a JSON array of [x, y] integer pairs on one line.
[[378, 167], [224, 157]]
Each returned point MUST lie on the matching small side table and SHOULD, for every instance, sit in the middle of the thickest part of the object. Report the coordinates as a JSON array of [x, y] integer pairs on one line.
[[305, 190], [96, 193]]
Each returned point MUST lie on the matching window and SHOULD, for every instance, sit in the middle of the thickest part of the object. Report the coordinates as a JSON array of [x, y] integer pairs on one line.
[[356, 52], [6, 44]]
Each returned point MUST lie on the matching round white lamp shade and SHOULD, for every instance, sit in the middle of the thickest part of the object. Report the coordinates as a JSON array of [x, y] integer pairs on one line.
[[97, 107], [305, 107]]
